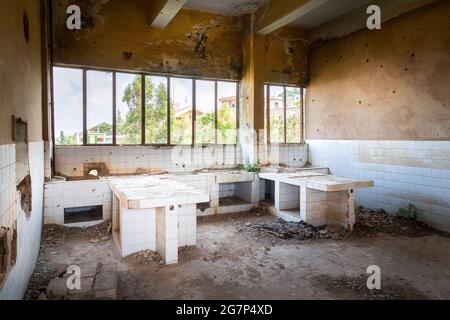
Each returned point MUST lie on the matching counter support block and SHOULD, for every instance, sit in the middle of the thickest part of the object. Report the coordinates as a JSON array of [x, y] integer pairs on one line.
[[137, 230], [167, 233]]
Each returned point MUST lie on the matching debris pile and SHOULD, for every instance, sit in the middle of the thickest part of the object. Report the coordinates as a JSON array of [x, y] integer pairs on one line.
[[372, 221], [146, 257], [291, 230], [356, 288], [54, 234], [368, 222]]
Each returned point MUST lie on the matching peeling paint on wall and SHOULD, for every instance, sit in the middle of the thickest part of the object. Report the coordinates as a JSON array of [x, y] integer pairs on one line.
[[194, 43], [286, 57]]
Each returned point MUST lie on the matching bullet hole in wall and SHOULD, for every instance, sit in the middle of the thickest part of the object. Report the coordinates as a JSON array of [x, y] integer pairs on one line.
[[26, 26], [127, 55], [367, 60], [413, 55]]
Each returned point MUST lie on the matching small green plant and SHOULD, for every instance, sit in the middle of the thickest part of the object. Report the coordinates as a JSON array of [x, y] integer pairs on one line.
[[252, 167], [409, 212]]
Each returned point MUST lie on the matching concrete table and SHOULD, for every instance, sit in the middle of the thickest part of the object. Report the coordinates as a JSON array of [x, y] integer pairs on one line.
[[323, 199], [154, 213]]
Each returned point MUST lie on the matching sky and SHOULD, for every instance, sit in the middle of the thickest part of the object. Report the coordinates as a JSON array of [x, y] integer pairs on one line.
[[69, 101]]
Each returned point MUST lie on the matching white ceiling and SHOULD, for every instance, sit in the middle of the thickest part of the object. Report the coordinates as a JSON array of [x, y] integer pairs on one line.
[[327, 12], [225, 7]]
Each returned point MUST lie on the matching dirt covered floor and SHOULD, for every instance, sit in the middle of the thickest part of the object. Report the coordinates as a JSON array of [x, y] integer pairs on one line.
[[255, 256]]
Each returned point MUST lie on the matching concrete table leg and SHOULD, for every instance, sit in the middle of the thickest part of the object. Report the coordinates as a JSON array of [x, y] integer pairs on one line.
[[277, 195], [313, 206], [167, 233], [351, 218], [115, 213]]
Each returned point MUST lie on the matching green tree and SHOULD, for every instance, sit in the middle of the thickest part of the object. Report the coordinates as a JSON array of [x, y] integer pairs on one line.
[[156, 119], [155, 113]]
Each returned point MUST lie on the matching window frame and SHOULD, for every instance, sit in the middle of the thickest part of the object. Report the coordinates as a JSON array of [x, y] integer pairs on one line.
[[143, 75], [85, 108], [302, 112]]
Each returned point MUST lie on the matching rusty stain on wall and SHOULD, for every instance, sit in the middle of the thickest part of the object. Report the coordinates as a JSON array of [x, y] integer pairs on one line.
[[286, 58], [194, 43]]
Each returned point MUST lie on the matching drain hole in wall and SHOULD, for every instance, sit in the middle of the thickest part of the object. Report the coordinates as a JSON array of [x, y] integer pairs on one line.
[[203, 206], [93, 173], [83, 214], [26, 27]]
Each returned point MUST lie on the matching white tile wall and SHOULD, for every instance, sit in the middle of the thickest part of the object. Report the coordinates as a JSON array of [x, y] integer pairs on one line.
[[8, 212], [129, 159], [47, 160], [69, 194], [138, 230], [187, 225], [404, 172], [28, 230], [292, 155], [289, 196]]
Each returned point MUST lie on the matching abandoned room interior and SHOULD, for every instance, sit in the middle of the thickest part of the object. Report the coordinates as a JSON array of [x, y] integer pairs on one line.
[[241, 149]]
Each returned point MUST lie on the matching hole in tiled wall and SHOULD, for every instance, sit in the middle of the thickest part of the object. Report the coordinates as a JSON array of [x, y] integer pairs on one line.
[[83, 214], [23, 177], [100, 168], [203, 206], [8, 250]]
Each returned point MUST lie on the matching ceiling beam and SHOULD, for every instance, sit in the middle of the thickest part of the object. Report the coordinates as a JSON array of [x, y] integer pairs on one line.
[[280, 13], [163, 11]]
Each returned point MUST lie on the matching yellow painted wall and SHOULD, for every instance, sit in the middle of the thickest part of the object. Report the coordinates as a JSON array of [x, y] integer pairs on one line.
[[391, 84], [20, 68], [117, 34]]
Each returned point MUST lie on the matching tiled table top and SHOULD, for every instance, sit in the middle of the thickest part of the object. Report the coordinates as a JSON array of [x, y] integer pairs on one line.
[[141, 192]]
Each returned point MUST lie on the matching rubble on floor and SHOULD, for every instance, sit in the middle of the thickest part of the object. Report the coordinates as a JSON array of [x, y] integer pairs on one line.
[[368, 222], [355, 288], [146, 257], [53, 237], [97, 281], [288, 230]]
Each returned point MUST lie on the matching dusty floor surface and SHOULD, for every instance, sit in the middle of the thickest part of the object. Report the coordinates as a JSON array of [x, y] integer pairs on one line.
[[230, 262]]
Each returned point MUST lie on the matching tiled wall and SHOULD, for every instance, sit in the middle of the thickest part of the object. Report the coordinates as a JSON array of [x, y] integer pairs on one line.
[[292, 155], [47, 160], [404, 172], [70, 194], [28, 230], [8, 212], [138, 229], [132, 159]]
